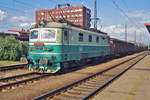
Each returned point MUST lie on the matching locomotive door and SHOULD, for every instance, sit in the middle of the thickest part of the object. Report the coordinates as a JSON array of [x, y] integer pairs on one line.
[[66, 43]]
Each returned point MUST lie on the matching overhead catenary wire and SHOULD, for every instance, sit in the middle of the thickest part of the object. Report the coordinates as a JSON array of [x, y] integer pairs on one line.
[[128, 18], [122, 11]]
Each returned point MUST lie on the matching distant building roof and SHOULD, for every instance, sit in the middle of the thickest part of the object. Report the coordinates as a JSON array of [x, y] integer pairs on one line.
[[18, 31], [23, 35], [148, 27]]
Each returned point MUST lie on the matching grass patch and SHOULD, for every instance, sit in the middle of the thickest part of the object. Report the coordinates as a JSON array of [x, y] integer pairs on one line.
[[7, 63]]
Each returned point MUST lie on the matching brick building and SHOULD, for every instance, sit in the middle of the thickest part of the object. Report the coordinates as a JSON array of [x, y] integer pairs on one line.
[[79, 15]]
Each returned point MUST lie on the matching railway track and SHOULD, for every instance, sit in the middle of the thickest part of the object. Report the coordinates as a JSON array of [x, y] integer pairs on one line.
[[88, 87], [14, 81], [5, 68]]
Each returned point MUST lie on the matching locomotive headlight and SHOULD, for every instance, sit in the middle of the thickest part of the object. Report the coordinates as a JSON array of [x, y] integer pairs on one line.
[[47, 49], [30, 48]]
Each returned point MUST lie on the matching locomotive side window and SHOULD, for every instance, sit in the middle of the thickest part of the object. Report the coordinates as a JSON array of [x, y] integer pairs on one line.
[[66, 35], [103, 38], [81, 37], [90, 38], [97, 39]]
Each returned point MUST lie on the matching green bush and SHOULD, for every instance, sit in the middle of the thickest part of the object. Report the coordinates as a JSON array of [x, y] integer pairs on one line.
[[12, 49]]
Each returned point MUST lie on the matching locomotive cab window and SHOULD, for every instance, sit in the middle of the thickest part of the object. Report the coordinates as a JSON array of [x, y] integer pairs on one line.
[[90, 38], [81, 37], [65, 35], [97, 39], [34, 34], [103, 38]]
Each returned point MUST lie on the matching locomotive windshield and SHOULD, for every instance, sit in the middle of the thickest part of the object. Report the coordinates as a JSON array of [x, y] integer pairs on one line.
[[43, 34], [48, 35]]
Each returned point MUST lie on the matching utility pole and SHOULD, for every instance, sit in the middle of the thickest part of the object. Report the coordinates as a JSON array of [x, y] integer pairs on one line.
[[82, 2], [140, 38], [95, 15], [125, 32], [135, 37]]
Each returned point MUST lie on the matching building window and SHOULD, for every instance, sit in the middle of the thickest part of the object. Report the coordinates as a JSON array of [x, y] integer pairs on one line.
[[97, 39], [90, 38], [80, 15], [80, 20], [42, 14], [80, 9], [72, 20], [76, 15], [68, 16], [64, 16], [81, 37]]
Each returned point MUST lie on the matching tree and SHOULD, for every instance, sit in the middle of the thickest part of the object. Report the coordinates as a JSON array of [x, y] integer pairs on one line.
[[12, 49]]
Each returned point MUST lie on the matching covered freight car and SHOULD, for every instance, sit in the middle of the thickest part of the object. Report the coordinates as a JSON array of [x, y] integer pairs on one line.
[[120, 47]]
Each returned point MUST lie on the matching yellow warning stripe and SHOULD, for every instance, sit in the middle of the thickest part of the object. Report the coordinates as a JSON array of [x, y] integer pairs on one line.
[[136, 86], [48, 71]]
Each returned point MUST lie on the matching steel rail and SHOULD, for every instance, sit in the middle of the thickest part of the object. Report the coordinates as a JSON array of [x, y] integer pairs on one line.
[[107, 83], [12, 67], [57, 91], [23, 81], [16, 76]]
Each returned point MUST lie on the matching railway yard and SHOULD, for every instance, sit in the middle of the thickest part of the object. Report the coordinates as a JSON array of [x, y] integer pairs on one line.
[[92, 81], [66, 50]]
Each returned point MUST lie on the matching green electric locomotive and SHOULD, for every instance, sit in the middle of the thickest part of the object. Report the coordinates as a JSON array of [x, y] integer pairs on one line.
[[54, 46]]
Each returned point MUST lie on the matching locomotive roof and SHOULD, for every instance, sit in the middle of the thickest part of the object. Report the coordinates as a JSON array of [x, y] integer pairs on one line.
[[65, 25]]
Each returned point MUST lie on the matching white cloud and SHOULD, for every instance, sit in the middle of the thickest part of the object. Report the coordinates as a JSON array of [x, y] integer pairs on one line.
[[136, 14], [19, 19], [113, 28], [24, 24], [140, 16], [33, 23], [118, 31], [144, 21], [2, 15]]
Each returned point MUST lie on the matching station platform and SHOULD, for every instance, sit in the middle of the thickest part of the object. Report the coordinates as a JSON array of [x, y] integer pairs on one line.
[[132, 85]]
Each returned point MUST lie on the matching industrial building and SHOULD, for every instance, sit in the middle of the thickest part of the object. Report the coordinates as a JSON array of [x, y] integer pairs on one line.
[[78, 15], [22, 35]]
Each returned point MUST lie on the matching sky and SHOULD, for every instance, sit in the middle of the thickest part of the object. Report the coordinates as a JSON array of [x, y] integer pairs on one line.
[[113, 15]]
